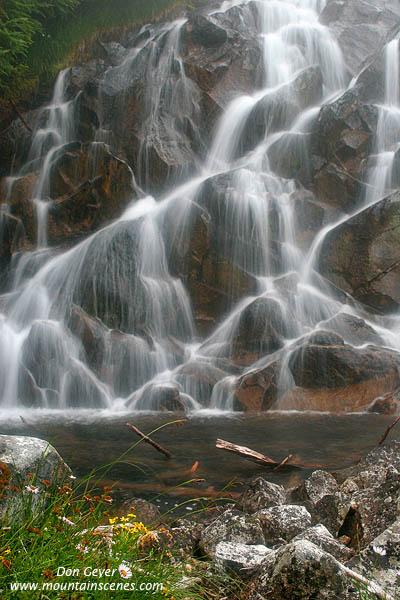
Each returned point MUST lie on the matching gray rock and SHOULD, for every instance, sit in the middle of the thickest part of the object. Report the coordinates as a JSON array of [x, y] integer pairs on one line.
[[244, 559], [321, 537], [300, 571], [19, 457], [231, 526], [284, 521], [145, 512], [318, 485], [382, 558], [262, 494]]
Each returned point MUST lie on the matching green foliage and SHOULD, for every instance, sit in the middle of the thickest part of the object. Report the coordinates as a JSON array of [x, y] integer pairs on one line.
[[21, 22]]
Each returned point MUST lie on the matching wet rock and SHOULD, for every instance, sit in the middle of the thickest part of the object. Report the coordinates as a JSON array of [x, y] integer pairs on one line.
[[213, 281], [224, 59], [261, 494], [20, 456], [198, 379], [388, 404], [91, 332], [21, 205], [12, 238], [146, 512], [261, 330], [354, 330], [339, 377], [158, 397], [283, 521], [277, 109], [232, 526], [340, 365], [258, 390], [362, 28], [321, 537], [340, 141], [300, 571], [243, 559], [372, 236], [115, 52], [82, 205], [204, 31]]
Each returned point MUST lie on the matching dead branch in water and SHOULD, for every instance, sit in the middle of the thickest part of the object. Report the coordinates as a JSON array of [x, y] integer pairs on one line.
[[146, 438], [383, 438], [254, 456], [20, 117]]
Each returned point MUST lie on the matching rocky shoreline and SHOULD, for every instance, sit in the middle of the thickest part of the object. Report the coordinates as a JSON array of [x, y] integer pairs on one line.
[[311, 541]]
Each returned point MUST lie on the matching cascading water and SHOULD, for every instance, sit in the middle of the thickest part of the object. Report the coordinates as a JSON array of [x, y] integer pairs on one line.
[[144, 351]]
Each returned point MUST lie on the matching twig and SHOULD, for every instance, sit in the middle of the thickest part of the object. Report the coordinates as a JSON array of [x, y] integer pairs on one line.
[[371, 585], [150, 441], [29, 128], [387, 430], [285, 460]]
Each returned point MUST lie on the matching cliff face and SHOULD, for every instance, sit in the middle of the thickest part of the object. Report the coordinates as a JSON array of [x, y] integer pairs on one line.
[[205, 215]]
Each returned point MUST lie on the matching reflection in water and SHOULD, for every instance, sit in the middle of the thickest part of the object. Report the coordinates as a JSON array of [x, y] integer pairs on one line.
[[87, 440]]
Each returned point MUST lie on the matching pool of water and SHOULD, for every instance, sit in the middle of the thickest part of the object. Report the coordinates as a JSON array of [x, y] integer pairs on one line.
[[87, 440]]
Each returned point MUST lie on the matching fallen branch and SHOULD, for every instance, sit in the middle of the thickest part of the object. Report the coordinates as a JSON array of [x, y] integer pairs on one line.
[[387, 430], [28, 127], [371, 586], [253, 456], [149, 440]]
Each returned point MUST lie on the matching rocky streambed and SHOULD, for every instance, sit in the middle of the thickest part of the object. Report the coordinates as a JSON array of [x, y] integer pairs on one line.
[[318, 539]]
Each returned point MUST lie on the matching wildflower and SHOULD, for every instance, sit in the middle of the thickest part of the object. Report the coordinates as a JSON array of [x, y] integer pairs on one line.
[[88, 497], [107, 488], [46, 482], [125, 570], [47, 573], [84, 549], [72, 477], [124, 519], [34, 530], [108, 499], [6, 563], [132, 515], [67, 521], [32, 489], [188, 567], [379, 550], [113, 520]]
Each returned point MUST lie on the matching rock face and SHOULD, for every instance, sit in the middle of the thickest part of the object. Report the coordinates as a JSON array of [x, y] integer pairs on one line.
[[372, 236], [300, 571], [340, 141], [283, 522], [20, 456], [362, 28], [261, 494], [232, 526]]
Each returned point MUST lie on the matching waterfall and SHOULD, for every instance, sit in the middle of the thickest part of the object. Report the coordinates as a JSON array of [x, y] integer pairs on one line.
[[111, 321]]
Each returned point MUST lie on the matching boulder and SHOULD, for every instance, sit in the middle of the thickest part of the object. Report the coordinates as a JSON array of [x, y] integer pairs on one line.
[[371, 235], [283, 522], [339, 377], [315, 487], [232, 526], [25, 462], [146, 512], [258, 389], [261, 329], [213, 281], [353, 330], [300, 571], [278, 108], [362, 28], [244, 559], [340, 141], [81, 205], [261, 494], [382, 558], [321, 537], [12, 238], [198, 379], [222, 57], [21, 205]]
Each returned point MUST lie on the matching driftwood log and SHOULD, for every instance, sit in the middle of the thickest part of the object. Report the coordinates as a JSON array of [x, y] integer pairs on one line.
[[254, 456], [146, 438]]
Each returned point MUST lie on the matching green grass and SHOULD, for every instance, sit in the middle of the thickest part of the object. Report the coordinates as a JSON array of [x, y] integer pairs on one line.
[[69, 541]]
